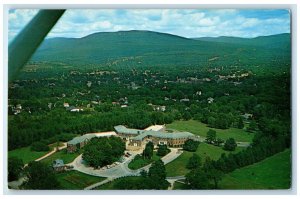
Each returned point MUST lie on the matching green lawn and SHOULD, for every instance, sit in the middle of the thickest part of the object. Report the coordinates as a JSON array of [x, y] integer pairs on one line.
[[139, 163], [271, 173], [74, 180], [66, 157], [201, 129], [112, 185], [178, 166], [26, 154]]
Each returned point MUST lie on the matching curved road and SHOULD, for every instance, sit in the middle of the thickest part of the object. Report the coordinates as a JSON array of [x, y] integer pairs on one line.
[[120, 170]]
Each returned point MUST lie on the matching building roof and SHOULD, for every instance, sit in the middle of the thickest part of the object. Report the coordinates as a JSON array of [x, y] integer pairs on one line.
[[80, 139], [58, 163], [160, 134], [155, 128], [141, 134], [124, 130]]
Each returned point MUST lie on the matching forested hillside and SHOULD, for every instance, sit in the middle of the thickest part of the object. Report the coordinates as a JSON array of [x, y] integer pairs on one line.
[[150, 49], [139, 78]]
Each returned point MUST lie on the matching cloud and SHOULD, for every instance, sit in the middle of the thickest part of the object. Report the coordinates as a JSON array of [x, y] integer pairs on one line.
[[187, 23]]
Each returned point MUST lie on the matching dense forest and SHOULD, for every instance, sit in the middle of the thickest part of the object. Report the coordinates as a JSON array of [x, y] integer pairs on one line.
[[150, 81]]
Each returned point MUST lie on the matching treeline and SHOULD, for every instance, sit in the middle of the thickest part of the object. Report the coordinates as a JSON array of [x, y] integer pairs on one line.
[[56, 125], [264, 145], [265, 97]]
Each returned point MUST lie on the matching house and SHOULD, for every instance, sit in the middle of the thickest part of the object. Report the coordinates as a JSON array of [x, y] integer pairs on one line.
[[95, 102], [89, 84], [198, 93], [210, 100], [58, 165], [247, 116], [66, 105], [19, 106], [73, 109], [158, 107], [78, 142], [185, 100]]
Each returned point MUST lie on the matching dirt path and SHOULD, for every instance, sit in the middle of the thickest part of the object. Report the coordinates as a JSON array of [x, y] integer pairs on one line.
[[51, 152]]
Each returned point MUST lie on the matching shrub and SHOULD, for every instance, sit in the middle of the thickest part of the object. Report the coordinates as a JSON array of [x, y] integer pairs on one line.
[[230, 145], [191, 145], [162, 150]]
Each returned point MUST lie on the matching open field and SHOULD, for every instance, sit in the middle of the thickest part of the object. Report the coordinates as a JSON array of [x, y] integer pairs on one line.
[[66, 157], [74, 180], [26, 154], [201, 129], [178, 166], [271, 173], [139, 163]]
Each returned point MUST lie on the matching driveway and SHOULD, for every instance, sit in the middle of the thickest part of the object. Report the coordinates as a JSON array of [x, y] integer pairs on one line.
[[114, 172], [120, 170]]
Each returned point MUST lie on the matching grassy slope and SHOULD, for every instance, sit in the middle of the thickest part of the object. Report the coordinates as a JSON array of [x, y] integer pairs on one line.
[[201, 129], [178, 166], [136, 164], [66, 157], [26, 154], [74, 180], [271, 173]]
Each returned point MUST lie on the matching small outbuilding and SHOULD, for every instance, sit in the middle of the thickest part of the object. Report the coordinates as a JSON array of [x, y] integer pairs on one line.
[[58, 165]]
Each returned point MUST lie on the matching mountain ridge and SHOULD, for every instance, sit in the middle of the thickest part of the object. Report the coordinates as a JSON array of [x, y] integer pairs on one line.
[[153, 48]]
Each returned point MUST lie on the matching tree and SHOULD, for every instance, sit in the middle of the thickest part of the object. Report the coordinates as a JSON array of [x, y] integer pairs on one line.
[[252, 126], [194, 162], [197, 179], [148, 151], [191, 145], [240, 124], [186, 115], [219, 141], [144, 173], [157, 176], [223, 121], [157, 170], [211, 171], [230, 145], [40, 177], [211, 136], [211, 121], [162, 150], [101, 151], [39, 146], [15, 167]]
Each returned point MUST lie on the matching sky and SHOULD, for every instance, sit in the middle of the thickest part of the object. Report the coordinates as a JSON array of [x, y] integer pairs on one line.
[[190, 23]]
